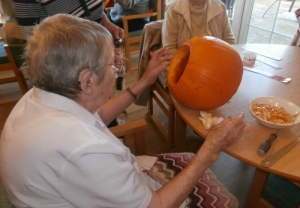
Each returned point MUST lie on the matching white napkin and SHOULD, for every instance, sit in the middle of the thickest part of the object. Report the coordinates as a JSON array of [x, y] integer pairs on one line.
[[209, 121], [145, 162]]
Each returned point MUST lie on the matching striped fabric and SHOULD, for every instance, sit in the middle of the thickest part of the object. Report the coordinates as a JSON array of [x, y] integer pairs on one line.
[[208, 192], [31, 12]]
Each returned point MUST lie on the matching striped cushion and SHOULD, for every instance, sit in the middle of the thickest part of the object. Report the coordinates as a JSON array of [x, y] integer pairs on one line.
[[208, 192]]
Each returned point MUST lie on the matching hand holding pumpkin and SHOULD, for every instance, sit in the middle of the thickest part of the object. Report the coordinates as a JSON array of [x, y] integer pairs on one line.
[[160, 61]]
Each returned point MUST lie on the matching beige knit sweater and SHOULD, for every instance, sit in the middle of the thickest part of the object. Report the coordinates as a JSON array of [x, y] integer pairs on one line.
[[177, 27]]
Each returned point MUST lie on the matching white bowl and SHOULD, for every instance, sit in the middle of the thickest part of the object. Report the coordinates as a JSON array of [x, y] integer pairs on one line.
[[288, 106]]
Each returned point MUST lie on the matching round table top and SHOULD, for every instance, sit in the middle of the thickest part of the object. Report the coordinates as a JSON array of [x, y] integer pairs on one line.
[[252, 86]]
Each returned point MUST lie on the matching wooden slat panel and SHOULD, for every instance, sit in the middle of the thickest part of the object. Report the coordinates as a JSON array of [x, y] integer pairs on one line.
[[159, 126], [165, 96], [161, 105]]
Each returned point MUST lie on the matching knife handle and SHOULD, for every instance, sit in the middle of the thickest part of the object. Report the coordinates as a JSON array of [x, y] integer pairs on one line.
[[277, 155], [266, 145]]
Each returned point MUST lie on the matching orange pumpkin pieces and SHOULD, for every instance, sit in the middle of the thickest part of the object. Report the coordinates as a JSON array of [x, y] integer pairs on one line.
[[205, 73]]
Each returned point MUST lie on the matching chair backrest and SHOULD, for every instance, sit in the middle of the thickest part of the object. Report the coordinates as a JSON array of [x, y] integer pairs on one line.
[[11, 61], [229, 6], [135, 36], [152, 5], [155, 6]]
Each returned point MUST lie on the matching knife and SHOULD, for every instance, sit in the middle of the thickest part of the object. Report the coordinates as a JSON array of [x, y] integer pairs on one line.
[[269, 161]]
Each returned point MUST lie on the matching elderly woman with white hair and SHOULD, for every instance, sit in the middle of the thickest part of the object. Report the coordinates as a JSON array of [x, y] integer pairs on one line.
[[55, 149]]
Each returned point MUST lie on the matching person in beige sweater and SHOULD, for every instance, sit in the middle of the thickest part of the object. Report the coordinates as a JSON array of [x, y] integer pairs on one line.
[[187, 19]]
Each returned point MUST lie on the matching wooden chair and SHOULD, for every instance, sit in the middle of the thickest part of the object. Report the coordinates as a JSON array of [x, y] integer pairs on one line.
[[290, 9], [151, 40], [161, 96], [229, 6], [9, 63], [138, 128], [155, 13]]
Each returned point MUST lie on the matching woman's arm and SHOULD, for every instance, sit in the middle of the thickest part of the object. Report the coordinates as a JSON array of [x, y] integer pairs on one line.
[[219, 138], [117, 32], [227, 30], [170, 30], [116, 105]]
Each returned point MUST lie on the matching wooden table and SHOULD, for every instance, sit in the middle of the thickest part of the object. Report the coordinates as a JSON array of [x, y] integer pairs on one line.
[[252, 86]]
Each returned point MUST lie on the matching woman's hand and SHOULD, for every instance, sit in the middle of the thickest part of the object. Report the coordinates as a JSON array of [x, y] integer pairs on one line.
[[224, 134], [160, 61], [116, 32]]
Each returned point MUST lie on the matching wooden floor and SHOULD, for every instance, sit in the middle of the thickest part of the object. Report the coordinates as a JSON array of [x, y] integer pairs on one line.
[[235, 175]]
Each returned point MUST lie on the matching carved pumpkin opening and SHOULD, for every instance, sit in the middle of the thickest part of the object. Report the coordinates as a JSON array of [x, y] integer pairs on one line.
[[184, 53]]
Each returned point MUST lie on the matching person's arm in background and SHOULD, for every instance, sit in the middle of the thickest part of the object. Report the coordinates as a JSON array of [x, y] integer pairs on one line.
[[227, 30], [170, 31], [117, 32]]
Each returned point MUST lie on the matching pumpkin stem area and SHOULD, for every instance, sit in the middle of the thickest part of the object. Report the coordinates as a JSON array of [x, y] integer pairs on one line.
[[182, 56]]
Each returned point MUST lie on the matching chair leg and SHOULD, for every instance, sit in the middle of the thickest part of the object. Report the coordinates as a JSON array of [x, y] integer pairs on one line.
[[269, 8], [171, 131], [292, 4], [126, 46], [150, 105], [127, 54], [140, 142], [180, 133]]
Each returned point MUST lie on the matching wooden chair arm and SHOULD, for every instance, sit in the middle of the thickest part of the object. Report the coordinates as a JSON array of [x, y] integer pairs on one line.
[[138, 128], [138, 16]]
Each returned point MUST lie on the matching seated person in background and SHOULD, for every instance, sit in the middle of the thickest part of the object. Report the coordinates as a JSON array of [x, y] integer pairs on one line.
[[186, 19], [129, 7], [55, 149]]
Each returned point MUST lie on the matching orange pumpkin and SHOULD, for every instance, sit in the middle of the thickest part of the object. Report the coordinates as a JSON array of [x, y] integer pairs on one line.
[[205, 73]]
